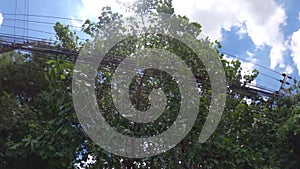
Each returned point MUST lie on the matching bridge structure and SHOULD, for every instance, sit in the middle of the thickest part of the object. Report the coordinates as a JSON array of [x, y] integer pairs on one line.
[[8, 44]]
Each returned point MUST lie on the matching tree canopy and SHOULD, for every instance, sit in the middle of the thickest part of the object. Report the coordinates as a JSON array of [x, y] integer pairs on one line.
[[39, 127]]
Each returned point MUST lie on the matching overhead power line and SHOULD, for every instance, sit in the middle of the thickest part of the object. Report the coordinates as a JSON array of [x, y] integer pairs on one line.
[[261, 87], [34, 30], [35, 38], [22, 28], [37, 22], [51, 49], [269, 76], [27, 13], [38, 47], [16, 4], [43, 16], [25, 38], [51, 42], [231, 55]]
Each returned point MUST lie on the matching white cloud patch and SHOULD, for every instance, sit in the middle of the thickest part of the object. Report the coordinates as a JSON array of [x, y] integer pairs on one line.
[[1, 18], [289, 69], [77, 24], [247, 67], [295, 49], [250, 54], [91, 9], [260, 20]]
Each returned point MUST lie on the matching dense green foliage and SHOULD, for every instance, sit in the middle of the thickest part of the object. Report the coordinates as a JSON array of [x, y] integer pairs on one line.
[[39, 127]]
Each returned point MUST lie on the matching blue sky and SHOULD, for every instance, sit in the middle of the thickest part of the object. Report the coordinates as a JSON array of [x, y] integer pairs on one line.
[[265, 32]]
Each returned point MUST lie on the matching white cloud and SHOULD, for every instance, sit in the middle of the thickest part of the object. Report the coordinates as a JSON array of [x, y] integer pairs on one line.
[[1, 18], [242, 31], [260, 20], [91, 9], [247, 67], [77, 24], [250, 54], [295, 48], [289, 69]]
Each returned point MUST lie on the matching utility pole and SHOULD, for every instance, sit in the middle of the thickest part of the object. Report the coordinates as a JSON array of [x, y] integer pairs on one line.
[[282, 88]]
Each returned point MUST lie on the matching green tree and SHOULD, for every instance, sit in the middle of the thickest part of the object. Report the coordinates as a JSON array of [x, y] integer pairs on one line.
[[39, 127]]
